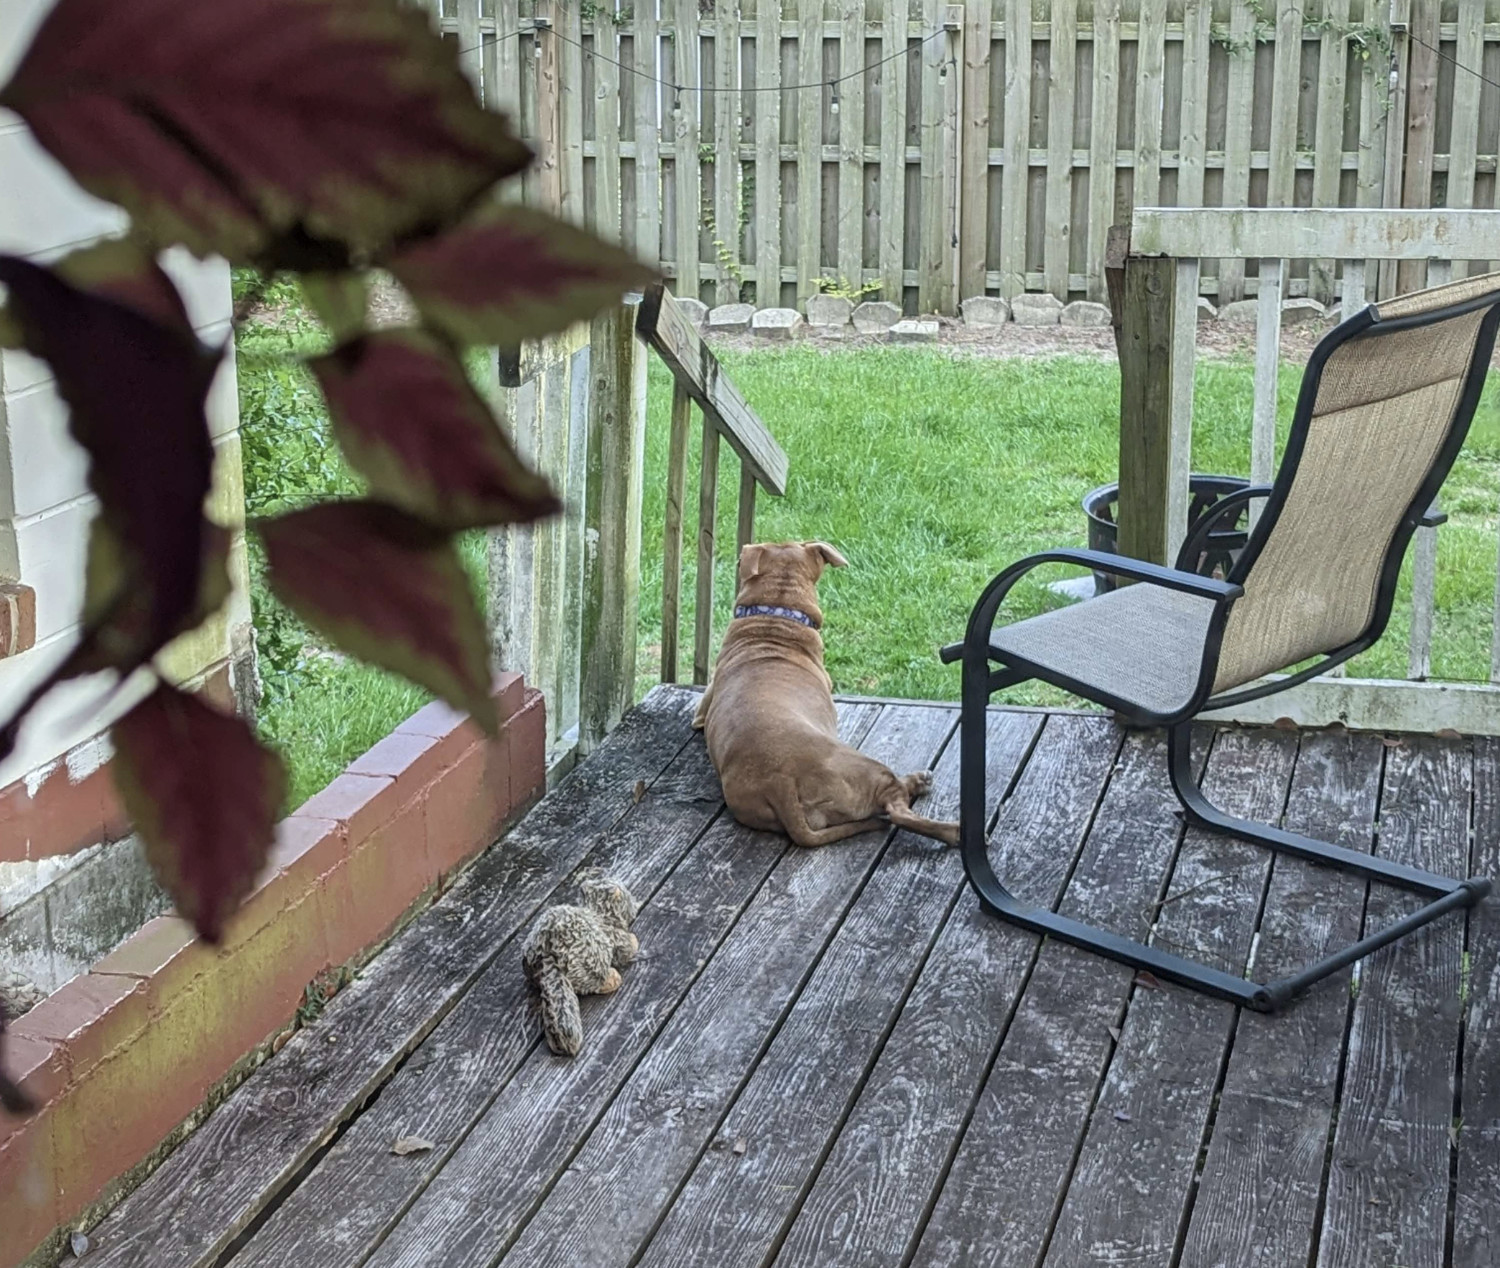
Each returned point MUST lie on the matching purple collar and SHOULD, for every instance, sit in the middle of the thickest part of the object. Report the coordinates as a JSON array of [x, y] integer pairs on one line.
[[763, 609]]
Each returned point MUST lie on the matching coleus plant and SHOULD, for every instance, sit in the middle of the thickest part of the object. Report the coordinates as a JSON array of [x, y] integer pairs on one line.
[[321, 138]]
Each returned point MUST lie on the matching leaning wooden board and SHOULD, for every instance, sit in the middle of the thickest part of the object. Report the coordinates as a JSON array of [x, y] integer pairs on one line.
[[662, 325], [250, 1149]]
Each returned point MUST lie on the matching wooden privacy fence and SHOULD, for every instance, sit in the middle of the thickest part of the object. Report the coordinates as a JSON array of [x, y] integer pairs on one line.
[[1156, 284], [564, 594], [758, 149]]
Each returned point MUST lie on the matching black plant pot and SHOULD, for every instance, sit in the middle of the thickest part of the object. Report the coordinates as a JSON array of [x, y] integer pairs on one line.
[[1204, 491]]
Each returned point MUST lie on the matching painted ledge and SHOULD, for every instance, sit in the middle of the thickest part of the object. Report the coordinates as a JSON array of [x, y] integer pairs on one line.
[[121, 1056]]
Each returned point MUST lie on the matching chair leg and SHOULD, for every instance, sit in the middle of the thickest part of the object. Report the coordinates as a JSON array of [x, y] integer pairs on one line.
[[1447, 894]]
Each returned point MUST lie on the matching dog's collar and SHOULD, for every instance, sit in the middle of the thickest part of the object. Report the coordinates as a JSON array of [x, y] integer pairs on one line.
[[765, 609]]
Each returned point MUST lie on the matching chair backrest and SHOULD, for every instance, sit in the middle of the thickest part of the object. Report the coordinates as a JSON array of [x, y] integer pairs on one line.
[[1386, 401]]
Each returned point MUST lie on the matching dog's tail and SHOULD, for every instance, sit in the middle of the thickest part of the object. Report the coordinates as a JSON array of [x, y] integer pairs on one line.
[[562, 1022], [901, 814]]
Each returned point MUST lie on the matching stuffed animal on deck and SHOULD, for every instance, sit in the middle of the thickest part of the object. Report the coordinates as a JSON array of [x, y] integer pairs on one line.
[[577, 951]]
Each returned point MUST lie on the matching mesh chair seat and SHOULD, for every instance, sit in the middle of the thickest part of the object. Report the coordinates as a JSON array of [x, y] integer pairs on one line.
[[1140, 644]]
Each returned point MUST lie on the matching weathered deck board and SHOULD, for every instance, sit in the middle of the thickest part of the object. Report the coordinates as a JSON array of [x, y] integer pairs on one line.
[[834, 1058], [1388, 1183], [873, 1192], [1012, 1167], [471, 1056], [1476, 1231], [1262, 1181], [666, 1111], [736, 1205], [1136, 1166], [196, 1204]]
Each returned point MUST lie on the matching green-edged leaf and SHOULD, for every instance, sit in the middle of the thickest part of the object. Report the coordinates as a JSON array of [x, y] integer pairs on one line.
[[119, 598], [508, 273], [388, 588], [271, 130], [123, 270], [411, 423], [340, 300], [136, 391], [204, 795]]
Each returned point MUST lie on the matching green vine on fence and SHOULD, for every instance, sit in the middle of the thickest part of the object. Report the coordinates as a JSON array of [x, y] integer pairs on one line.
[[1371, 41]]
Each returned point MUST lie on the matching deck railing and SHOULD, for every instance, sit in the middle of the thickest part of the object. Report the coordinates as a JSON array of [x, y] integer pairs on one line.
[[1153, 271], [564, 595]]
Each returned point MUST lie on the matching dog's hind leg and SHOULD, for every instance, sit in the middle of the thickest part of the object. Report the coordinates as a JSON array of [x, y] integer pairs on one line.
[[902, 815], [788, 808]]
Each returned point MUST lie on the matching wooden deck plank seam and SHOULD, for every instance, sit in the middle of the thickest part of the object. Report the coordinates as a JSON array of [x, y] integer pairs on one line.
[[811, 1177], [448, 1151], [1211, 1120], [1451, 1213], [1005, 1024], [1338, 1086], [775, 1030], [855, 739], [509, 943], [1102, 1081]]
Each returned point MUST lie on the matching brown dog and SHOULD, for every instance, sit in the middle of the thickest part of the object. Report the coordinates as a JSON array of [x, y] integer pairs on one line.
[[769, 719]]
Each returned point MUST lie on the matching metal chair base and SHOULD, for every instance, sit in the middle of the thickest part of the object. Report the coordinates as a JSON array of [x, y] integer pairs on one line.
[[1447, 894]]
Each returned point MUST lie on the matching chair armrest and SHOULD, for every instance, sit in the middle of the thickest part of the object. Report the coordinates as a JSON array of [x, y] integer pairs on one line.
[[1222, 592], [1433, 517], [1200, 529]]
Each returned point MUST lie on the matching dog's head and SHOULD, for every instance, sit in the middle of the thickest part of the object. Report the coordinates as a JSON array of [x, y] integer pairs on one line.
[[785, 574]]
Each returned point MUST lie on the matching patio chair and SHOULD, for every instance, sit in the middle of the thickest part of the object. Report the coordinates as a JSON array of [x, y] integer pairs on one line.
[[1385, 404]]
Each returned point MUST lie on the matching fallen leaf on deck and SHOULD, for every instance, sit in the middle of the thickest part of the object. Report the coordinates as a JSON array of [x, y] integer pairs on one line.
[[1121, 1116], [739, 1145], [80, 1244], [640, 791], [1393, 741], [1284, 724], [1114, 1033], [1448, 733], [411, 1145], [1148, 980]]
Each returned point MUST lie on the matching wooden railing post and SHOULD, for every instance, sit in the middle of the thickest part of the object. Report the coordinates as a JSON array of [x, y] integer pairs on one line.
[[671, 546], [708, 509], [1146, 310], [612, 524]]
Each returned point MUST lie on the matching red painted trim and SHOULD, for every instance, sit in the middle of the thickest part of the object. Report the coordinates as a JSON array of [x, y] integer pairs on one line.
[[345, 869]]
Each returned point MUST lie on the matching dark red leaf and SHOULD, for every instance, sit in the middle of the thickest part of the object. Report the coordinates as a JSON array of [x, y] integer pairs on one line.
[[136, 392], [412, 424], [204, 795], [508, 273], [120, 599], [388, 588], [124, 271], [12, 1099], [249, 127]]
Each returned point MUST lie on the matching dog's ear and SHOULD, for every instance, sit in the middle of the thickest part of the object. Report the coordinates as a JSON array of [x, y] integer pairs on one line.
[[830, 556], [750, 559]]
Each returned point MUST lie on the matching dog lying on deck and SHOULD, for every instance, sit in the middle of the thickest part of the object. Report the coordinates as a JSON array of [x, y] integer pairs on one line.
[[769, 719]]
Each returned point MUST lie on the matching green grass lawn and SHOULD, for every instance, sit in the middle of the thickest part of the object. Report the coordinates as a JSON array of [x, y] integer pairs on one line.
[[931, 472]]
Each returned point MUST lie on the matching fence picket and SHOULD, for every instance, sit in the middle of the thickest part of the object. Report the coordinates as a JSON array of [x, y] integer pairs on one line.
[[1062, 47], [974, 200], [851, 130], [1239, 104], [767, 102], [809, 147], [648, 191], [1151, 53], [726, 105], [893, 153], [1016, 172], [1329, 139], [1104, 124], [686, 169]]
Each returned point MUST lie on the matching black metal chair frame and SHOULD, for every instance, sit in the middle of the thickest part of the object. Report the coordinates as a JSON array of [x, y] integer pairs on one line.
[[981, 679]]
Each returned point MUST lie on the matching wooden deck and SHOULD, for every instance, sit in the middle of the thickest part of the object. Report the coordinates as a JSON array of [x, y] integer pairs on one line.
[[833, 1058]]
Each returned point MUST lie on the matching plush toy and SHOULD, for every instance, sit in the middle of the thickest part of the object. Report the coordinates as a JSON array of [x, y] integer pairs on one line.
[[577, 951]]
